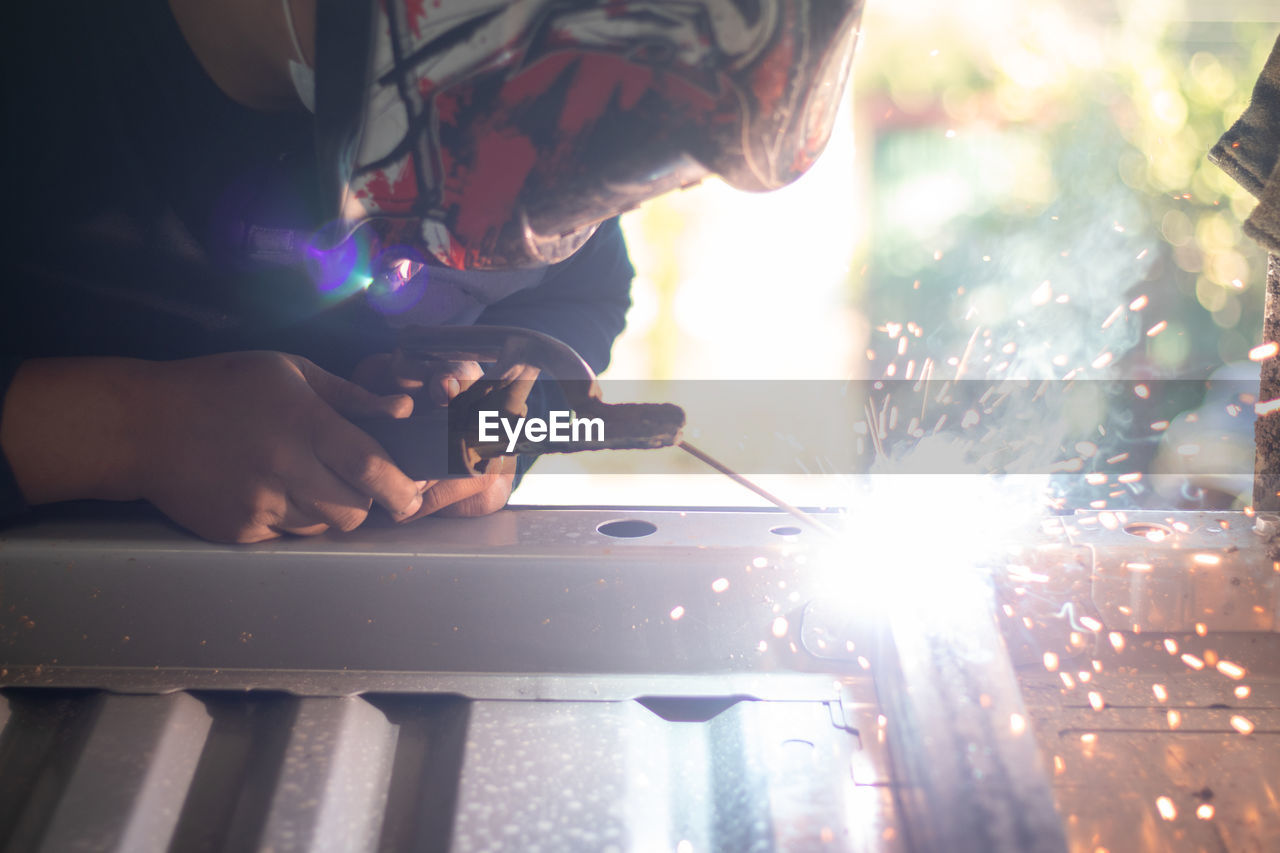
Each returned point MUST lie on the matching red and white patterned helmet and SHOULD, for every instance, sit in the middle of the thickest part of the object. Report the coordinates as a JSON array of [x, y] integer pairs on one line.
[[499, 133]]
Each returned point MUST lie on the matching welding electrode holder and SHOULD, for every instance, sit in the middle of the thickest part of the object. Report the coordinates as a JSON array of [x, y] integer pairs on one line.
[[441, 443]]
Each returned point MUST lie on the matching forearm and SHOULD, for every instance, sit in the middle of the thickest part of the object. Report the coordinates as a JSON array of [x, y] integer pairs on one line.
[[70, 428]]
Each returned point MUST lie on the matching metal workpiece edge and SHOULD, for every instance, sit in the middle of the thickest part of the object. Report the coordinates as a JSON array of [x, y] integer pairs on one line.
[[522, 591], [775, 687]]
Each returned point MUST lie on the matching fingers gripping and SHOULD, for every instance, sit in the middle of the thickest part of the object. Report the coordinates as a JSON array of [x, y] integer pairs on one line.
[[361, 463], [348, 398]]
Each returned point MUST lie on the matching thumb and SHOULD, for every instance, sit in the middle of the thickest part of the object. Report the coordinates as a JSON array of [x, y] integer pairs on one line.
[[349, 399]]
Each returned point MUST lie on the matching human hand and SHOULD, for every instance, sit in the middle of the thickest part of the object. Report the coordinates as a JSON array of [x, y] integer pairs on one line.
[[466, 497], [246, 446], [427, 382], [437, 383]]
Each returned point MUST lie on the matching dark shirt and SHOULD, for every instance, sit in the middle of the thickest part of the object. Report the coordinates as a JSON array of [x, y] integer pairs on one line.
[[138, 195]]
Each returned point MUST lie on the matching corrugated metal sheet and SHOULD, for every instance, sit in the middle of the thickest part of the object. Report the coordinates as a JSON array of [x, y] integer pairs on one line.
[[220, 771]]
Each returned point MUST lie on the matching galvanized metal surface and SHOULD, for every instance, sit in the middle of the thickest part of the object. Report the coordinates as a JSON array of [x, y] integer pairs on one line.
[[1114, 762], [526, 683], [971, 775], [603, 693], [1161, 719], [1166, 571], [147, 747], [516, 592], [197, 772], [967, 770]]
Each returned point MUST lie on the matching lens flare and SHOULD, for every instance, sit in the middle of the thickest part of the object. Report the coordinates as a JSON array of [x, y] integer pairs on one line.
[[343, 268], [400, 280]]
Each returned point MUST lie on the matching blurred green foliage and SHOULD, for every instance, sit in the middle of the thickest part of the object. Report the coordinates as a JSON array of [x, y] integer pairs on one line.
[[1014, 144]]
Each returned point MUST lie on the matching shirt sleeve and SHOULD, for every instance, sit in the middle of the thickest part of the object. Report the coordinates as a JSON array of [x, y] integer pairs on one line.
[[583, 302], [12, 503]]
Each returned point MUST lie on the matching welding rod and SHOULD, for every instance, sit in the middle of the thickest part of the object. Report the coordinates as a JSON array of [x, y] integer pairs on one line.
[[767, 495]]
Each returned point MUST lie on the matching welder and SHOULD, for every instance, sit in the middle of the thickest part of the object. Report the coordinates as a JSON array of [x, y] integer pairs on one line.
[[219, 215]]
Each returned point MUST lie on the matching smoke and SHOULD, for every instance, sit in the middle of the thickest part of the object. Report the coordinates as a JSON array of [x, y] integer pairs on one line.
[[1038, 309]]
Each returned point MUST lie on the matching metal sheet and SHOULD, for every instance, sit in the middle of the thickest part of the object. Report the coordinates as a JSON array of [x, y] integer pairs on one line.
[[958, 729], [1117, 765], [470, 621], [526, 591], [597, 776], [1163, 571], [128, 784], [333, 785], [1143, 730], [521, 724], [280, 773], [818, 687]]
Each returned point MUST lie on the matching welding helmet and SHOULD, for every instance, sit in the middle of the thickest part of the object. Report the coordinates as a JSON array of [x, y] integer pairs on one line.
[[498, 133]]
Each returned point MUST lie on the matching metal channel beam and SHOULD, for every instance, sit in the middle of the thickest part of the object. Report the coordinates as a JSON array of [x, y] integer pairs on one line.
[[966, 771], [523, 591], [970, 774]]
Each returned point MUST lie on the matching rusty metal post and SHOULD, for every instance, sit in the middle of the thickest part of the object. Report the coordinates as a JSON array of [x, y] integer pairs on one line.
[[1266, 471]]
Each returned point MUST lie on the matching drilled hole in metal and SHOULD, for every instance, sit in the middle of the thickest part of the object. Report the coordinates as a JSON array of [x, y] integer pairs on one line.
[[785, 530], [627, 528], [1148, 529], [795, 741]]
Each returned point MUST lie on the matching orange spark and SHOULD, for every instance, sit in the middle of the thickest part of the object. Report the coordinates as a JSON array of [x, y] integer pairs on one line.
[[1231, 670], [1264, 352]]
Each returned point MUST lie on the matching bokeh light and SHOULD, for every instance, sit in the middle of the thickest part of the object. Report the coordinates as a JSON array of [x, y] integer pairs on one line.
[[985, 149]]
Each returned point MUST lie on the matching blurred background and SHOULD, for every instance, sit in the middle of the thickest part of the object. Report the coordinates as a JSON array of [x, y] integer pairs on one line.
[[1014, 188]]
